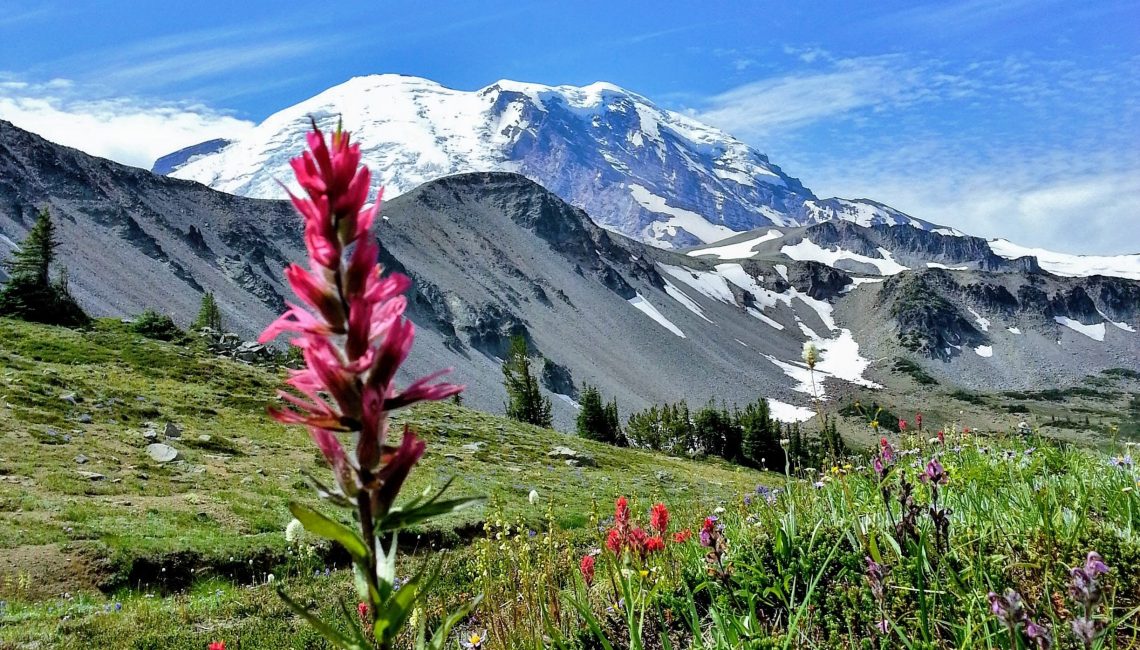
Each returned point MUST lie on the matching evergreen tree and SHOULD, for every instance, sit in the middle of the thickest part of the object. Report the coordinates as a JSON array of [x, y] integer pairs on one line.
[[37, 252], [592, 421], [525, 401], [208, 314], [760, 445], [30, 294], [613, 424]]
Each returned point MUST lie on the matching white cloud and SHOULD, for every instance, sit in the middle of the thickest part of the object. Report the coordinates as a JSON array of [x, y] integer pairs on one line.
[[1038, 151], [1048, 201], [761, 107], [126, 130]]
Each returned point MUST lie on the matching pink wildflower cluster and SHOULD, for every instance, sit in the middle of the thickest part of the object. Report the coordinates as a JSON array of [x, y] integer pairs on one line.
[[350, 328]]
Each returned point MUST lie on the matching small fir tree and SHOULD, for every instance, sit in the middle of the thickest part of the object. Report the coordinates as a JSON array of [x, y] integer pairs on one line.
[[525, 401], [592, 422], [30, 294], [208, 314]]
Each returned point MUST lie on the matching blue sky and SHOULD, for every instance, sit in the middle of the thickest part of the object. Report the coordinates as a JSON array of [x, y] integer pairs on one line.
[[1015, 119]]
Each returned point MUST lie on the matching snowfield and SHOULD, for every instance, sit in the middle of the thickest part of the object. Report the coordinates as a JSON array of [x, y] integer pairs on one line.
[[1121, 266], [807, 250]]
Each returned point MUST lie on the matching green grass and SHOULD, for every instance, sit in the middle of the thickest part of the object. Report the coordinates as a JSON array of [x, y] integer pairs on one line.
[[220, 510], [185, 549]]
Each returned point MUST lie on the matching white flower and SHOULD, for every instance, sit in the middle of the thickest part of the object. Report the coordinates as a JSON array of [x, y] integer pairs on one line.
[[295, 532], [718, 511], [533, 497], [934, 441], [269, 579], [784, 442], [811, 354]]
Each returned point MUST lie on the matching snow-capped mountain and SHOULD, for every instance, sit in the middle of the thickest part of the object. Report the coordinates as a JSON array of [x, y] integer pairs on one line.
[[637, 169], [494, 255]]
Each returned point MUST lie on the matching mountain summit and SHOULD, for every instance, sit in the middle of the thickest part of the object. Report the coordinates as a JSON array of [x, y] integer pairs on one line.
[[639, 170]]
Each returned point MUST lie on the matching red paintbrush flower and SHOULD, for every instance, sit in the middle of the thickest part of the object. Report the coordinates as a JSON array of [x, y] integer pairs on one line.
[[659, 517], [587, 568], [614, 541], [621, 514], [654, 544]]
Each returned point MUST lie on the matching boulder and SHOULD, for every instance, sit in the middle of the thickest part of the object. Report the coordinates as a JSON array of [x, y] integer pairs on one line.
[[161, 453], [567, 454], [172, 431]]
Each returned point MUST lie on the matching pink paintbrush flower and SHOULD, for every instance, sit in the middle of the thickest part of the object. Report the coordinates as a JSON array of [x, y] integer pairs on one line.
[[350, 327]]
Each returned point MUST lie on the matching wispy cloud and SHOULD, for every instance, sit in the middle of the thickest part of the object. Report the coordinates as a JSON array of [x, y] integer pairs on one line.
[[1039, 151], [755, 109], [959, 15], [128, 130], [1062, 199]]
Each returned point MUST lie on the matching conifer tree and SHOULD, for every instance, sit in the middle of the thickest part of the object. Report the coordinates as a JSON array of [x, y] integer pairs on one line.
[[37, 252], [525, 401], [208, 314], [613, 424], [592, 421], [29, 293], [760, 445]]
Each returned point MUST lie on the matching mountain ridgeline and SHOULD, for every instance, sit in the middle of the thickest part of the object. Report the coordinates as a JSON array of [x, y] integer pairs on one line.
[[494, 255], [648, 173]]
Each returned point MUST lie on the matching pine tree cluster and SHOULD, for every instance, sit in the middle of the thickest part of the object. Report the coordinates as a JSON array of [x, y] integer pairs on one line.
[[748, 436], [598, 420]]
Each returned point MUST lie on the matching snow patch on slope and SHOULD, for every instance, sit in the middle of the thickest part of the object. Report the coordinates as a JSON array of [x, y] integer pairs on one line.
[[739, 250], [1123, 266], [689, 221], [785, 412], [1094, 332], [807, 250], [687, 302], [644, 306], [982, 322]]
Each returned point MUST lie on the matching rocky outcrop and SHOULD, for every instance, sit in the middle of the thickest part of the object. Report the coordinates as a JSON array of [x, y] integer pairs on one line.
[[926, 321]]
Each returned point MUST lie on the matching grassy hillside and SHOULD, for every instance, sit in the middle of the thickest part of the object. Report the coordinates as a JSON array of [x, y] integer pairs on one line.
[[85, 510], [102, 546]]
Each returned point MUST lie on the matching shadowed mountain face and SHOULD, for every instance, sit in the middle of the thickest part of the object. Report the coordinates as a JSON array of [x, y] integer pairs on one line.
[[494, 255]]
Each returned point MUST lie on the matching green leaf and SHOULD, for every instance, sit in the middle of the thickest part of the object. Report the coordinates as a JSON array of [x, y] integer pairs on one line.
[[332, 496], [403, 517], [441, 633], [331, 634], [399, 607], [318, 524], [588, 615]]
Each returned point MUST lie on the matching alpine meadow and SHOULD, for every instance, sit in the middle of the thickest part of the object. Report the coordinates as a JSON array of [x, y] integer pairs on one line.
[[317, 332]]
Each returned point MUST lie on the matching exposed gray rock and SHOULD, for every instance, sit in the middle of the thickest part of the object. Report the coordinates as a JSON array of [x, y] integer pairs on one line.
[[172, 430], [80, 459], [161, 453], [572, 457], [91, 476]]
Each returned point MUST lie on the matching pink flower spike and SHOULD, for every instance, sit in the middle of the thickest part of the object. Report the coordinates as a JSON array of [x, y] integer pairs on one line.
[[422, 390], [295, 319], [396, 467], [333, 452], [316, 292], [393, 351]]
